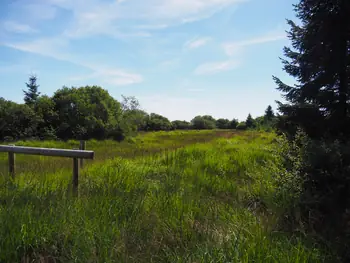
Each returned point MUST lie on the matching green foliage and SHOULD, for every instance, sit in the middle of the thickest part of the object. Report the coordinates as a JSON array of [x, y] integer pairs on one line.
[[269, 114], [319, 106], [134, 119], [181, 125], [250, 123], [17, 121], [86, 112], [233, 124], [241, 126], [266, 122], [223, 124], [203, 122], [156, 122]]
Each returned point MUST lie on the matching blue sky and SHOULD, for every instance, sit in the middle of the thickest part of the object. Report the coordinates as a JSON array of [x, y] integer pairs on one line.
[[180, 58]]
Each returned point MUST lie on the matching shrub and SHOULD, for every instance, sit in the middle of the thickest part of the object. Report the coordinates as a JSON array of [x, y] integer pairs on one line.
[[241, 126], [316, 185]]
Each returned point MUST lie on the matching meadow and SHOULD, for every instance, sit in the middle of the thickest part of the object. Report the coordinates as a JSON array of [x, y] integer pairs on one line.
[[189, 196]]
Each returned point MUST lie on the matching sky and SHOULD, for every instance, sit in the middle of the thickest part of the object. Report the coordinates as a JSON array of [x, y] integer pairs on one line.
[[179, 58]]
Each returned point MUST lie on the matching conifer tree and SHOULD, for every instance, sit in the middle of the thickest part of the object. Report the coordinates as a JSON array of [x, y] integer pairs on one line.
[[250, 122], [269, 114], [319, 60], [32, 94]]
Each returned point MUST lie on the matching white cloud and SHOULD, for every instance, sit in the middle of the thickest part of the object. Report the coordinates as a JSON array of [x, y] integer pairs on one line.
[[185, 9], [48, 47], [233, 48], [93, 17], [119, 77], [120, 19], [55, 48], [15, 27], [196, 43], [215, 67]]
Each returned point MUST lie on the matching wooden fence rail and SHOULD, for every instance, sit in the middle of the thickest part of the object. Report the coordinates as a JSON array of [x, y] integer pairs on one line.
[[75, 154]]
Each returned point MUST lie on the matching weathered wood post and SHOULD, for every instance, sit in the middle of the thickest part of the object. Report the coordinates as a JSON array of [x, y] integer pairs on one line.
[[82, 148], [12, 165], [75, 154], [75, 175]]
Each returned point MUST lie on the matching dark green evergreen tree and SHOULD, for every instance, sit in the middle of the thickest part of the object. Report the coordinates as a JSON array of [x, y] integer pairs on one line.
[[32, 94], [319, 60], [269, 114], [250, 122]]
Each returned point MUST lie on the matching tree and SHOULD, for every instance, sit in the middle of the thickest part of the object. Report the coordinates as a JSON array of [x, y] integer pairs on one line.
[[203, 122], [250, 123], [269, 114], [88, 112], [319, 59], [130, 103], [17, 121], [234, 123], [32, 94], [156, 122], [223, 124], [241, 126], [133, 116], [181, 125], [45, 109]]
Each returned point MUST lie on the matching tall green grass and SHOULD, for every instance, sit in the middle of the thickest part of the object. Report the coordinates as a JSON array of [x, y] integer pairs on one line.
[[142, 145], [212, 201]]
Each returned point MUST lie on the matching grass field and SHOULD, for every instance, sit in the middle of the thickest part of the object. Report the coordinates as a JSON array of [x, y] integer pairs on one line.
[[191, 196]]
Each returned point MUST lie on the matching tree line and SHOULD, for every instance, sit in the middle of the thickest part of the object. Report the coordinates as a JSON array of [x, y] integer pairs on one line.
[[91, 112]]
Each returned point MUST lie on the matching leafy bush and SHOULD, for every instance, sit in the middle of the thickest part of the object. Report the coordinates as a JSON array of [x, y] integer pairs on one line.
[[314, 186], [203, 122], [241, 126]]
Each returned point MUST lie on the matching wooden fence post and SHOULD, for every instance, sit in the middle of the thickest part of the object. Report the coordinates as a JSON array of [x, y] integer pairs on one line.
[[75, 154], [75, 175], [82, 147], [12, 165]]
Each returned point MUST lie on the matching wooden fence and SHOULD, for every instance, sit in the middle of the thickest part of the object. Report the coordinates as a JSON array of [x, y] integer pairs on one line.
[[75, 154]]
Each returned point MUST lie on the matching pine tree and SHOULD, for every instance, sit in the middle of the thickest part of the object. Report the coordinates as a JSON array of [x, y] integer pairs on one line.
[[31, 96], [250, 122], [269, 114], [319, 59]]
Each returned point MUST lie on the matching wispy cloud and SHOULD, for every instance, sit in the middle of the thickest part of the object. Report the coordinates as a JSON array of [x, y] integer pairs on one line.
[[91, 17], [233, 48], [215, 67], [49, 47], [196, 42], [152, 27], [56, 48], [15, 27], [187, 10]]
